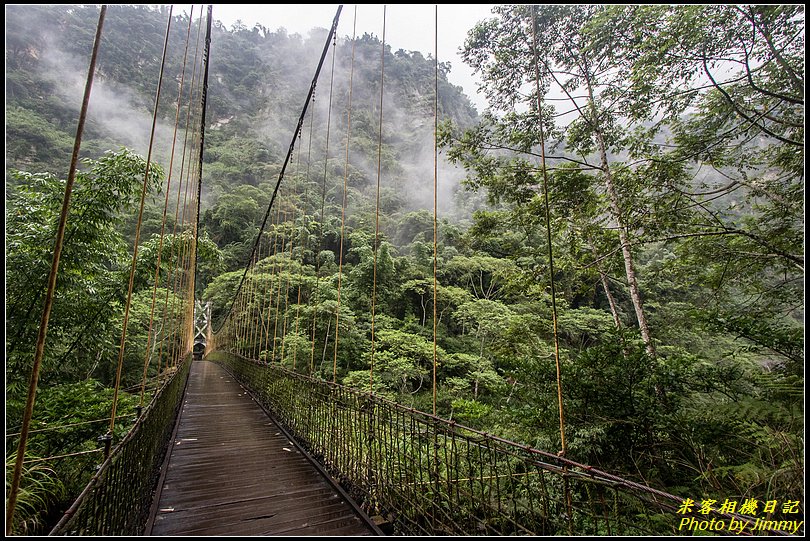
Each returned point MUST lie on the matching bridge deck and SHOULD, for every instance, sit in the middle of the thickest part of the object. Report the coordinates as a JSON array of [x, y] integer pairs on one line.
[[233, 472]]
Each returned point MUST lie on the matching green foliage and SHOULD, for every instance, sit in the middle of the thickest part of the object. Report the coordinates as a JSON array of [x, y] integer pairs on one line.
[[585, 327], [698, 197], [40, 489], [210, 259], [706, 190], [220, 292], [68, 419], [64, 410], [147, 325], [470, 412], [84, 330], [471, 374], [31, 139], [89, 276], [231, 216], [403, 360]]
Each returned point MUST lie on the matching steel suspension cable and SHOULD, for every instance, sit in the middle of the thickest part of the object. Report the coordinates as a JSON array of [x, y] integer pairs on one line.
[[275, 294], [51, 290], [182, 263], [278, 275], [248, 321], [548, 233], [238, 324], [244, 319], [274, 275], [144, 189], [287, 284], [147, 356], [377, 209], [255, 338], [292, 245], [305, 243], [177, 283], [435, 194], [241, 342], [174, 263], [323, 204], [292, 145], [257, 310], [195, 240], [256, 325], [253, 295], [188, 255], [263, 328], [250, 297], [179, 340], [343, 205]]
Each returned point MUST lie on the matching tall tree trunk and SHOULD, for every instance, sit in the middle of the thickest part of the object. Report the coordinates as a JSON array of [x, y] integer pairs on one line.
[[616, 210], [611, 301]]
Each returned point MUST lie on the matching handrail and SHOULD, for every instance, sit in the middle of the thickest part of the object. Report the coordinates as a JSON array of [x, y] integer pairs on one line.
[[118, 498], [429, 476]]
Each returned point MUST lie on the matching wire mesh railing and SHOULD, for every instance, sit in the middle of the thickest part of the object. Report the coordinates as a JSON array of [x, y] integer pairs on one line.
[[429, 476], [118, 499]]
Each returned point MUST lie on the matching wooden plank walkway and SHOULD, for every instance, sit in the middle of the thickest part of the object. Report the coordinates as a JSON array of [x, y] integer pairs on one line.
[[233, 472]]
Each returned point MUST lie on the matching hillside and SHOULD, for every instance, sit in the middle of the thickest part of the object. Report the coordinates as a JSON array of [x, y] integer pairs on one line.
[[258, 82], [619, 265]]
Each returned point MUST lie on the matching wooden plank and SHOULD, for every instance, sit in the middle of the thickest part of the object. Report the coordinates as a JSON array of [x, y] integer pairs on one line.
[[233, 472]]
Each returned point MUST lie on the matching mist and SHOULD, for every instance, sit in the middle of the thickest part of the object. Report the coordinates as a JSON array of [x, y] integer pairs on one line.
[[407, 130], [120, 110]]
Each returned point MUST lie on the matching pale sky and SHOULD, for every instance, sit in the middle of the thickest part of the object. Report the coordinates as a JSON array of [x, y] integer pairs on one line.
[[408, 26]]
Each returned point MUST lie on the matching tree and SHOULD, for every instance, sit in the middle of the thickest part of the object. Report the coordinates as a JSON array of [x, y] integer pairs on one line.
[[745, 79], [360, 283], [91, 267], [586, 73], [232, 217], [81, 346], [464, 372], [485, 277], [488, 319], [403, 361], [421, 289]]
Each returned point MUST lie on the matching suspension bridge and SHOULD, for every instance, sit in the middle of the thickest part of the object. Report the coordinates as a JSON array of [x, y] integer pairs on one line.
[[234, 443]]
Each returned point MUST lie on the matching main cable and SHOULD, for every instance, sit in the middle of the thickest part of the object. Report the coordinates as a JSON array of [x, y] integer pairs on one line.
[[375, 240], [343, 206], [287, 158], [49, 295], [195, 239]]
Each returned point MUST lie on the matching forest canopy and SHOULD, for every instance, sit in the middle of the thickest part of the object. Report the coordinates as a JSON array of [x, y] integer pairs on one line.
[[631, 203]]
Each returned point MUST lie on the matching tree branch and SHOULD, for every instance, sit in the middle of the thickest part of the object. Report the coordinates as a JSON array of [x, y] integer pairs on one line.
[[796, 260], [742, 114], [493, 146], [799, 84], [725, 188], [783, 97]]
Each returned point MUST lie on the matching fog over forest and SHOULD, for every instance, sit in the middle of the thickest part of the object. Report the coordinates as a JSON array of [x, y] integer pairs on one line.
[[615, 275]]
